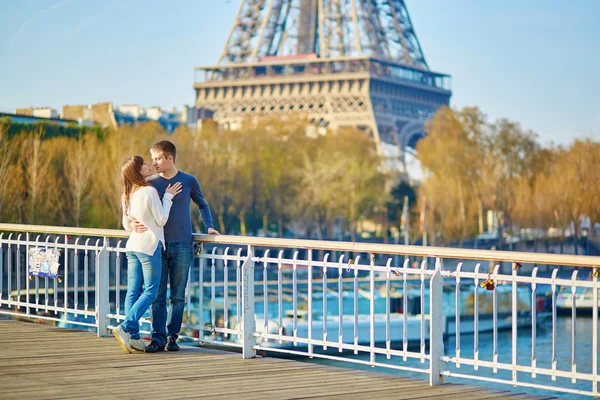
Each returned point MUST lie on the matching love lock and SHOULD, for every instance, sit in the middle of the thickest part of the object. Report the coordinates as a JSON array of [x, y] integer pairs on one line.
[[350, 262], [488, 284], [596, 272], [516, 265]]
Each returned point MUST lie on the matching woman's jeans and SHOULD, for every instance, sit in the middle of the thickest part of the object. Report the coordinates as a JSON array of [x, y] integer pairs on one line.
[[142, 271]]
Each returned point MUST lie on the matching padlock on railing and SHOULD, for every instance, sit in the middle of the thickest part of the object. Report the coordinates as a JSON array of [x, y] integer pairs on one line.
[[488, 284], [516, 266], [197, 249]]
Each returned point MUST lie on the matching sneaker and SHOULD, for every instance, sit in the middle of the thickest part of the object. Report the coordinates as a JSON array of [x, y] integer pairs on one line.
[[154, 347], [172, 344], [123, 339], [137, 344]]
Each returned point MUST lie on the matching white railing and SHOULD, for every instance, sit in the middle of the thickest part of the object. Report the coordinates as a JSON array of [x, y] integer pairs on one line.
[[416, 309]]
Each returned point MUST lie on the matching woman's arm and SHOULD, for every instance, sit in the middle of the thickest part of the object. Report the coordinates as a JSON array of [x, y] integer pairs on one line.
[[125, 220], [160, 210]]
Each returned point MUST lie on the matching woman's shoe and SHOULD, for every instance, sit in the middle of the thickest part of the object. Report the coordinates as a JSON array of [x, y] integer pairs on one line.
[[123, 339], [137, 344]]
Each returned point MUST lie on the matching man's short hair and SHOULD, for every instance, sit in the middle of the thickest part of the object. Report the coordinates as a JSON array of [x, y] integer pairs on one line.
[[166, 147]]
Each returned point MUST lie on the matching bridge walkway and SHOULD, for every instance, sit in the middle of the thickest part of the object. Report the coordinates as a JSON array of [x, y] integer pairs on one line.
[[45, 362]]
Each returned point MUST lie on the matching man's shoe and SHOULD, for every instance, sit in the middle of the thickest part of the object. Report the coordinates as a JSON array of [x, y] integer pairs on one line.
[[123, 339], [137, 344], [154, 347], [172, 345]]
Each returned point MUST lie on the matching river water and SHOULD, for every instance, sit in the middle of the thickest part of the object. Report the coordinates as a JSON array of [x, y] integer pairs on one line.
[[583, 352]]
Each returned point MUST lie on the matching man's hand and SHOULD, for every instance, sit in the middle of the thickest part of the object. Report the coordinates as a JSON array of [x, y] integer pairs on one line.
[[211, 231], [137, 226]]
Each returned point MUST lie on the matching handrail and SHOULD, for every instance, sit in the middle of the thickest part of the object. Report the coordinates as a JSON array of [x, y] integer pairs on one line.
[[64, 230], [419, 251]]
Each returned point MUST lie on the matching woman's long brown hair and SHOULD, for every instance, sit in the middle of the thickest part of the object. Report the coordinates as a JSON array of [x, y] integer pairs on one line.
[[131, 177]]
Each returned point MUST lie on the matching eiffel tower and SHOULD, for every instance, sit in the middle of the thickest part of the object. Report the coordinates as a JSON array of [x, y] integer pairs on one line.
[[342, 62]]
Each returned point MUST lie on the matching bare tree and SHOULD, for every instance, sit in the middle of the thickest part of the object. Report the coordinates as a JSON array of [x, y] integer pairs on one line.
[[80, 167], [8, 152]]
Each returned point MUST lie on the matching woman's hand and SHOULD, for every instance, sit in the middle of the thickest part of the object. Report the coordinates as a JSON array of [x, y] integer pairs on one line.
[[175, 189]]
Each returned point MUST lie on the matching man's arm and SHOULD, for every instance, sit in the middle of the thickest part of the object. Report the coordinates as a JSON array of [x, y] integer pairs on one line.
[[198, 198], [137, 226]]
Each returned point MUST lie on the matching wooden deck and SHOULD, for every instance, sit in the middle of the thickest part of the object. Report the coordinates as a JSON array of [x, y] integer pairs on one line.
[[44, 362]]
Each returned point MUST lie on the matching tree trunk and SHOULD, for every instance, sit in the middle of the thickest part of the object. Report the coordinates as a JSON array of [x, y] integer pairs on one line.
[[34, 168], [221, 224], [480, 215], [78, 196], [463, 217], [265, 221], [353, 214], [319, 230], [280, 226], [242, 216]]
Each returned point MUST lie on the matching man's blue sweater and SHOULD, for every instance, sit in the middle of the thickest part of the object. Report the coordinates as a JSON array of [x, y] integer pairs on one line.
[[179, 224]]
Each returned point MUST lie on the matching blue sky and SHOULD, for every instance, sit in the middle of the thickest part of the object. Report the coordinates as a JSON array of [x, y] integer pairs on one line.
[[533, 61]]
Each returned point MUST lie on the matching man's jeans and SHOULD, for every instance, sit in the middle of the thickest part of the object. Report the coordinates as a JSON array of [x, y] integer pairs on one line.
[[176, 262], [142, 270]]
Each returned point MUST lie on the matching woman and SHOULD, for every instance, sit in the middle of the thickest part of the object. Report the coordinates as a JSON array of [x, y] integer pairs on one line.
[[140, 201]]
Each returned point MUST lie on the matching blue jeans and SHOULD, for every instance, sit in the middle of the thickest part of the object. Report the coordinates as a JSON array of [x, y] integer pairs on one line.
[[142, 270], [176, 263]]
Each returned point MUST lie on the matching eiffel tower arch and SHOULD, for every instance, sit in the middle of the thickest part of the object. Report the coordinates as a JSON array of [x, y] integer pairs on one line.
[[343, 62]]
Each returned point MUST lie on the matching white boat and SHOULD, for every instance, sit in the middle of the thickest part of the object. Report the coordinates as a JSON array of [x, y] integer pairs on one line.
[[360, 328], [584, 300]]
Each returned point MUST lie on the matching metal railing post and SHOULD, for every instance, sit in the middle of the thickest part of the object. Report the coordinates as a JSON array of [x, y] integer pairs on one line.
[[436, 325], [248, 323], [102, 290]]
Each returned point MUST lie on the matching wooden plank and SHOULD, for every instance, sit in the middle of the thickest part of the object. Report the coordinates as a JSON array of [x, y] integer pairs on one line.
[[44, 362]]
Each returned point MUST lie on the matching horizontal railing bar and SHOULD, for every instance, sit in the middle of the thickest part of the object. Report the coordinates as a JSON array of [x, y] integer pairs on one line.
[[521, 279], [65, 230], [343, 346], [522, 368], [217, 329], [335, 358], [329, 265], [419, 251], [51, 245], [213, 342], [518, 383], [35, 316], [42, 306]]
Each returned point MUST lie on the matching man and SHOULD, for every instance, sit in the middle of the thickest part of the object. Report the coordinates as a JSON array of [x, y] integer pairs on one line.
[[179, 254]]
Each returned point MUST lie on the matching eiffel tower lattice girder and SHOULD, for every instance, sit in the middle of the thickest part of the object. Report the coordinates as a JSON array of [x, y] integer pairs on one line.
[[327, 28], [380, 96], [341, 62]]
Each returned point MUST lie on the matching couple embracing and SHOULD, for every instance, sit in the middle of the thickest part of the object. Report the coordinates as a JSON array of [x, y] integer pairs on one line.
[[160, 249]]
